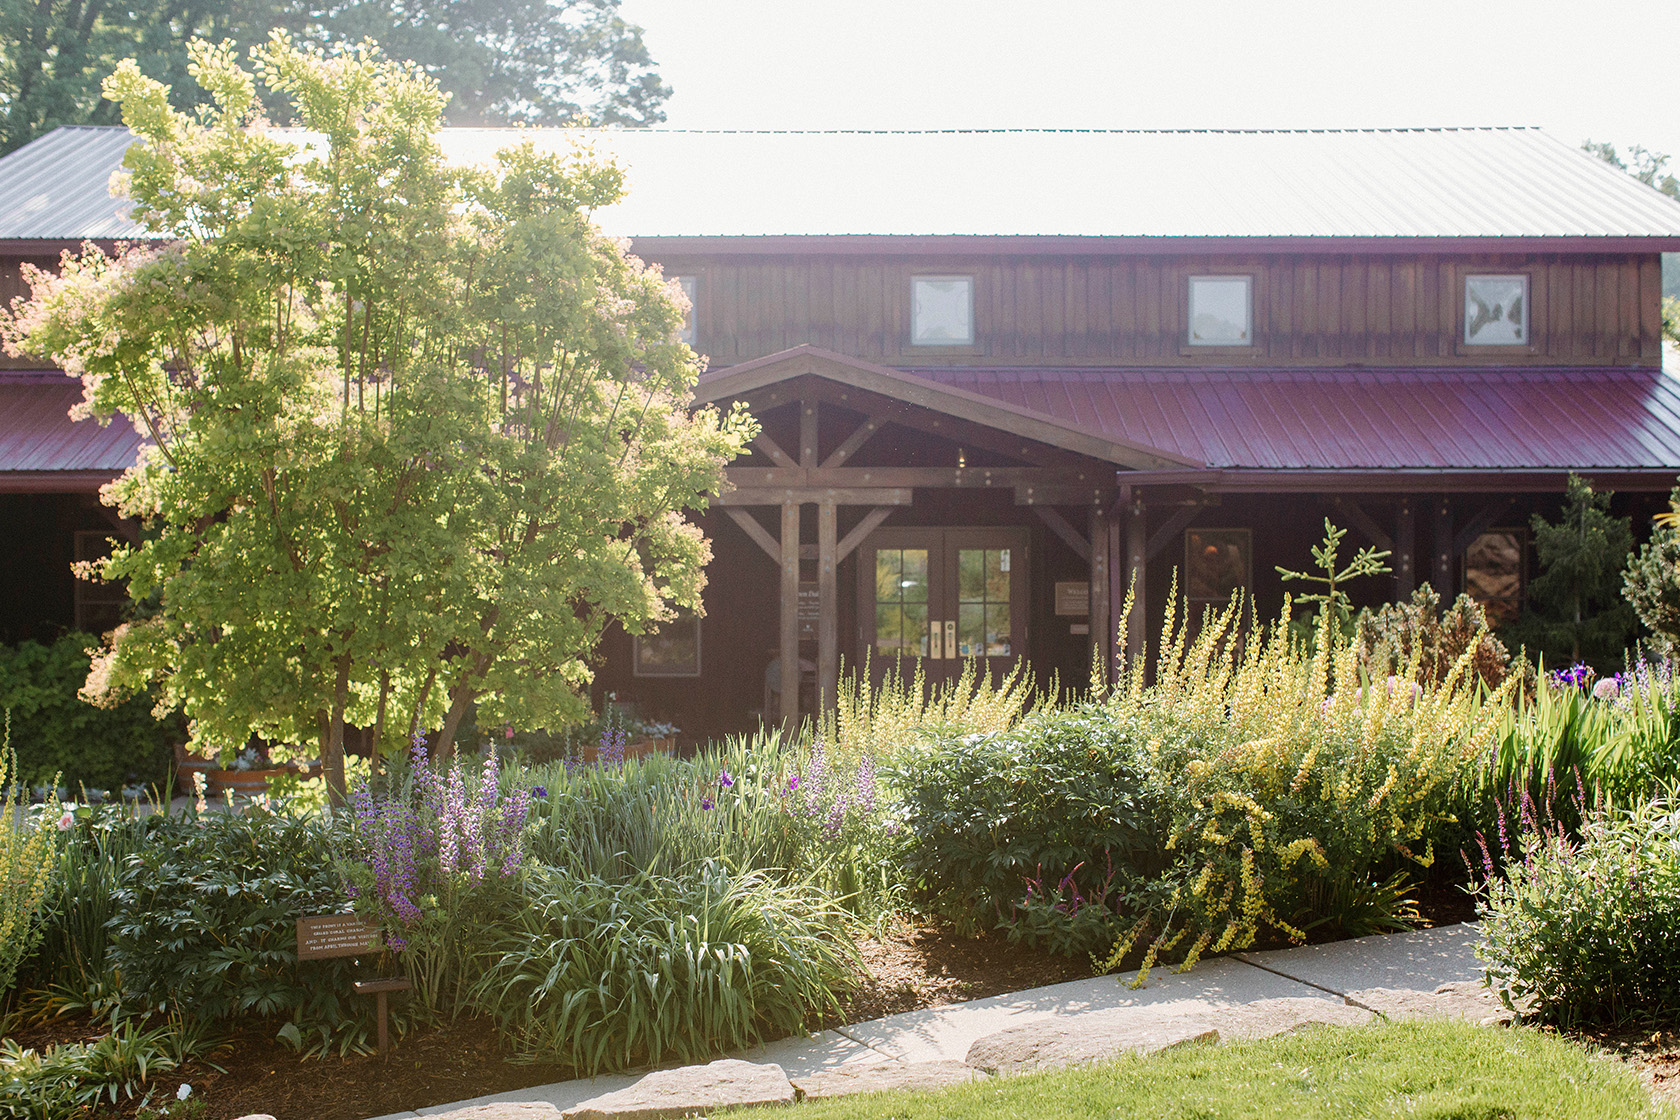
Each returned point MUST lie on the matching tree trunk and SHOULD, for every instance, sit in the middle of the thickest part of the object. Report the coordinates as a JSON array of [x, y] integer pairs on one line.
[[460, 697], [332, 744]]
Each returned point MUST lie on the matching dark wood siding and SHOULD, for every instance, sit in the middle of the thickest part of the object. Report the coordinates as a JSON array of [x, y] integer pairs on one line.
[[1324, 309]]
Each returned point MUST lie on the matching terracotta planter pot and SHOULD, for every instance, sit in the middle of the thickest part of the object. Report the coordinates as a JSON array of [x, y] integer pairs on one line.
[[247, 783], [189, 764]]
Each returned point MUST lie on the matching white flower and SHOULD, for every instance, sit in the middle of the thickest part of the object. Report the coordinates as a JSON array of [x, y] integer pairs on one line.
[[183, 1092]]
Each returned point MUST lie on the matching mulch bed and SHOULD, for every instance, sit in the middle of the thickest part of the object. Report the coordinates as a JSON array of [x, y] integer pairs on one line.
[[909, 969]]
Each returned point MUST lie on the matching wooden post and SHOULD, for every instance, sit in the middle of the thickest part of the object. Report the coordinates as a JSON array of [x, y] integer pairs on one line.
[[1137, 570], [828, 607], [808, 434], [1100, 624], [1443, 549], [1405, 550], [789, 646]]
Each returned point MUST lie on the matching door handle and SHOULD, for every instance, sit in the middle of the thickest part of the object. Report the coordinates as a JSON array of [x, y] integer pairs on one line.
[[950, 638], [934, 647]]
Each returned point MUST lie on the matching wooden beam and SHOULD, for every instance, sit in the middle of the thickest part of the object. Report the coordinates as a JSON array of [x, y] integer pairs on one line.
[[860, 532], [1169, 532], [1359, 519], [1097, 555], [857, 439], [828, 607], [1069, 535], [846, 496], [1405, 550], [759, 534], [1443, 575], [808, 434], [1054, 495], [773, 449], [1137, 579], [1042, 478], [789, 644], [1478, 525]]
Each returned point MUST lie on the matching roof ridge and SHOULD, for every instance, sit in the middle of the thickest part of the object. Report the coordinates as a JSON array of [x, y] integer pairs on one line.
[[999, 131]]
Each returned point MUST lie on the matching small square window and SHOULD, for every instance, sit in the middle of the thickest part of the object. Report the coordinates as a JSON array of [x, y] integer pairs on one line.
[[1496, 310], [942, 310], [1217, 563], [690, 285], [672, 650], [1221, 311]]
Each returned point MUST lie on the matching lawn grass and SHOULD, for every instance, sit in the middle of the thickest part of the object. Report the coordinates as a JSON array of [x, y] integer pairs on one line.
[[1420, 1071]]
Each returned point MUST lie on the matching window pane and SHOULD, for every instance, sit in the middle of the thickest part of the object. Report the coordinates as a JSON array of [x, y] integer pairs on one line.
[[1493, 573], [971, 575], [942, 310], [916, 631], [1496, 310], [912, 584], [997, 576], [1216, 563], [673, 650], [889, 627], [997, 630], [971, 629], [889, 563], [1219, 311]]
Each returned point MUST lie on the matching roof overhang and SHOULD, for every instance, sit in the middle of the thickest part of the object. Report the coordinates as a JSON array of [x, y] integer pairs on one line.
[[54, 482], [740, 382], [1400, 481], [662, 247]]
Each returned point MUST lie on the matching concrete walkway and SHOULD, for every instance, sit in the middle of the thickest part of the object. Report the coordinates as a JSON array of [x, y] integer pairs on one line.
[[1418, 961]]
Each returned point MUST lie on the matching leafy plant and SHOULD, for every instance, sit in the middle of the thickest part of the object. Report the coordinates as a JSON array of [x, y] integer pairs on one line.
[[57, 731], [1589, 929], [1576, 611], [1651, 582], [1368, 561], [606, 975], [66, 1081], [28, 859], [1393, 637], [208, 907]]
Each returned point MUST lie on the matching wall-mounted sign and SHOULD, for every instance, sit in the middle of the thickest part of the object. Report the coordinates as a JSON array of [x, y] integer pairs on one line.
[[809, 608], [1073, 597]]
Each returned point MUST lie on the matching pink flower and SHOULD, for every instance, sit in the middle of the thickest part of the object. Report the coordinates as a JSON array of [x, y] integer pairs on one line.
[[65, 821], [1605, 689], [508, 732]]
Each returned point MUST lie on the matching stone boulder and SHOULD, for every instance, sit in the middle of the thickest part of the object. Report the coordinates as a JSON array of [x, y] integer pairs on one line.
[[841, 1081], [1467, 1000], [688, 1090], [1080, 1039]]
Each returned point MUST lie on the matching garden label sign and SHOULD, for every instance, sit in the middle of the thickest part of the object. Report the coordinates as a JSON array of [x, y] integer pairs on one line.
[[335, 935]]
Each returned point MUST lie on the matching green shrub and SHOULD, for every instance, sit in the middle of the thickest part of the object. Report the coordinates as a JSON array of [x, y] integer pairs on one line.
[[1589, 929], [69, 1080], [1062, 800], [606, 975], [208, 907], [28, 859], [58, 732]]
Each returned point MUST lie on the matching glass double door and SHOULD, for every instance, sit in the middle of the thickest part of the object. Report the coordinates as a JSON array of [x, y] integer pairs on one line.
[[933, 598]]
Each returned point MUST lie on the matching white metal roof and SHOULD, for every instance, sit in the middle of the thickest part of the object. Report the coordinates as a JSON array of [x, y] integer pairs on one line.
[[1469, 182]]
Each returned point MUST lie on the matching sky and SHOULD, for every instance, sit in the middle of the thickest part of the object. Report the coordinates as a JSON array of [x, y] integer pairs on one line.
[[1599, 69]]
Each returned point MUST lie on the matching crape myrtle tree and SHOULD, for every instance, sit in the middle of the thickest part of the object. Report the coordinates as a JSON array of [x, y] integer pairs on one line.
[[417, 432]]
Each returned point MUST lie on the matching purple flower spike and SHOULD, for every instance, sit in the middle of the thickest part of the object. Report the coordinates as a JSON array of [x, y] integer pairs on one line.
[[539, 791]]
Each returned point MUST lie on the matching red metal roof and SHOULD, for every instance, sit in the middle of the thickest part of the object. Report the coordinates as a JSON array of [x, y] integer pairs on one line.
[[1482, 419], [42, 449]]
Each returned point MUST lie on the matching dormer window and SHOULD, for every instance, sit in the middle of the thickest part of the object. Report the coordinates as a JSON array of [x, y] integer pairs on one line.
[[690, 286], [1496, 310], [1221, 311], [942, 311]]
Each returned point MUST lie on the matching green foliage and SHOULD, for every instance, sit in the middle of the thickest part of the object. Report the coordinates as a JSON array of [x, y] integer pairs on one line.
[[605, 975], [65, 1081], [1651, 581], [1059, 800], [28, 858], [504, 62], [59, 732], [1428, 1070], [1368, 561], [1396, 636], [207, 921], [420, 433], [1576, 611], [1590, 929]]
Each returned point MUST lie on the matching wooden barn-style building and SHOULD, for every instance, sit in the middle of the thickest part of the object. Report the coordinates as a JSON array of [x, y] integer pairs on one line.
[[1004, 376]]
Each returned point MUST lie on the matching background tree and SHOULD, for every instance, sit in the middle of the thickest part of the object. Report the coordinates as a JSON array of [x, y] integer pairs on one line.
[[502, 61], [1576, 612], [419, 432], [1652, 579], [1651, 168]]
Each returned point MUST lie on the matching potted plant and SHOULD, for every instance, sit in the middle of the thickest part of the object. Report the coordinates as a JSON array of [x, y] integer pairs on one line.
[[250, 772]]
